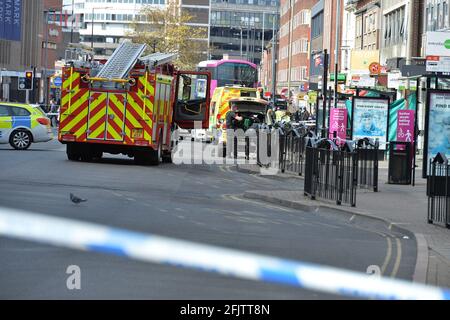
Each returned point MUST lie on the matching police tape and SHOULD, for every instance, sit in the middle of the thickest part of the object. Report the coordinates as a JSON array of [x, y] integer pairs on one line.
[[163, 250]]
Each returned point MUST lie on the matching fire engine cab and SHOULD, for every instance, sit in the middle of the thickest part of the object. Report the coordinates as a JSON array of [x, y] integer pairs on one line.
[[130, 104]]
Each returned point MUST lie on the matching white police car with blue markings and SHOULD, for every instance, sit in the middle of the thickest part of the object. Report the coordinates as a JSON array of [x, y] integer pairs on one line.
[[23, 124]]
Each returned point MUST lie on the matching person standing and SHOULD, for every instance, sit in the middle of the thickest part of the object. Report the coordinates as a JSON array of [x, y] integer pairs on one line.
[[53, 111]]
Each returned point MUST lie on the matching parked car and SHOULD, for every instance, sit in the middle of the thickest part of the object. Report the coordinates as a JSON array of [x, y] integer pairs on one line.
[[23, 124]]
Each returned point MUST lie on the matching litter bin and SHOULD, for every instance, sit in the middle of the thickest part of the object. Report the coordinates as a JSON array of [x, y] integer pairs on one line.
[[400, 165]]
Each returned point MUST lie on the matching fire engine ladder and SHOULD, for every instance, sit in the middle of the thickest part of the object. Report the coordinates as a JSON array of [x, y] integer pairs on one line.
[[157, 59], [122, 60]]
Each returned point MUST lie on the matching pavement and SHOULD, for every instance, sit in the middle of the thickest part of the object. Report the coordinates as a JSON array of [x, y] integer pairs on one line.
[[203, 203], [401, 207]]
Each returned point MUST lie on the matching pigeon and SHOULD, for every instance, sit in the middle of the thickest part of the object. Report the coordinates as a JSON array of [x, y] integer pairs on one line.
[[75, 199]]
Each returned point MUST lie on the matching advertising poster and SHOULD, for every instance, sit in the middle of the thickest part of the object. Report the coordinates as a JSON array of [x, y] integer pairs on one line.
[[370, 119], [438, 136], [11, 20], [405, 125], [338, 123]]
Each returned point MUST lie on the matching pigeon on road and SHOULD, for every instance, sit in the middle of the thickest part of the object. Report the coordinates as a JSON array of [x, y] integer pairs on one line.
[[75, 199]]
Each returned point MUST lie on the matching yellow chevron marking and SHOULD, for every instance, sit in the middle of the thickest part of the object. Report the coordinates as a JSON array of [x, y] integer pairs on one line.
[[82, 114], [70, 79], [118, 120], [99, 114], [72, 123], [96, 132]]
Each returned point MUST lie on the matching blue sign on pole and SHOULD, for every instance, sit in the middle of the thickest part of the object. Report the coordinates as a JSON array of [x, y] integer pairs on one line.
[[11, 20], [57, 81]]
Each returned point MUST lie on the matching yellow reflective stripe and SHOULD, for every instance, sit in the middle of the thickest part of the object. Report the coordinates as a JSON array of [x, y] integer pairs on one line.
[[114, 134], [136, 107], [118, 119], [81, 115], [145, 96], [80, 131], [70, 90], [71, 124], [147, 102], [97, 116], [73, 76], [96, 132]]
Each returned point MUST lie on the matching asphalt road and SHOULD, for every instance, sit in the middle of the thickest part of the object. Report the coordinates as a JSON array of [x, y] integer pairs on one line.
[[200, 203]]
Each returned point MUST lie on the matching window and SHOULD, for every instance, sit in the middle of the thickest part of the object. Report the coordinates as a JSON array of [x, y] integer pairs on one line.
[[4, 111], [317, 25], [394, 27], [438, 15], [432, 22], [445, 14], [20, 112], [303, 73]]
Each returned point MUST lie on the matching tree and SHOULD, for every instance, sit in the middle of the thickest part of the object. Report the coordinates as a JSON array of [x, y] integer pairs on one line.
[[167, 30]]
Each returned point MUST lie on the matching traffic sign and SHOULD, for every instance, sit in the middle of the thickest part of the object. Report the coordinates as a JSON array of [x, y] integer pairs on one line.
[[375, 68], [22, 83], [57, 81]]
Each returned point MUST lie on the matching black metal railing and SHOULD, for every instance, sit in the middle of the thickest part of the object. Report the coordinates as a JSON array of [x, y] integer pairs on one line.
[[292, 158], [438, 191], [330, 173], [367, 151]]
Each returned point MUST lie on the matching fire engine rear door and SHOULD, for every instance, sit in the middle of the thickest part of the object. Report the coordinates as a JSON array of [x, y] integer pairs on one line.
[[191, 105], [115, 117], [98, 102]]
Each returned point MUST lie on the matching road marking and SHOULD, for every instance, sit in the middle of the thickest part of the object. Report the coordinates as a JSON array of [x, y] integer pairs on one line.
[[259, 204], [398, 258], [388, 255], [352, 217]]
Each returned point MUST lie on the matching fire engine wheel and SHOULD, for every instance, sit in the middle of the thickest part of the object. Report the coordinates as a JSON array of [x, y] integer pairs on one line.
[[72, 152], [167, 157]]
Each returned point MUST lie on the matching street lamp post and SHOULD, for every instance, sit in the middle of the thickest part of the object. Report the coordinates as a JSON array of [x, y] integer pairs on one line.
[[72, 17], [92, 29], [336, 55], [44, 65], [241, 41], [92, 24], [274, 50]]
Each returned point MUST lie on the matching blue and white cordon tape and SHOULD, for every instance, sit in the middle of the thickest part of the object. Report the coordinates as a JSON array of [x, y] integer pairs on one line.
[[152, 248]]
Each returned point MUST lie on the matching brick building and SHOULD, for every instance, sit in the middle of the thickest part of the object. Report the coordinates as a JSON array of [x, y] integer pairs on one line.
[[323, 36], [294, 47]]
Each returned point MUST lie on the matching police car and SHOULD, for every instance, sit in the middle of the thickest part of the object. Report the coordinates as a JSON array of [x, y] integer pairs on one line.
[[23, 124]]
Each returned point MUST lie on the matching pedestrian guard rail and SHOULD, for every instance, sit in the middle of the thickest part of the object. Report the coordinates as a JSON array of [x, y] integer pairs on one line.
[[438, 191], [331, 171]]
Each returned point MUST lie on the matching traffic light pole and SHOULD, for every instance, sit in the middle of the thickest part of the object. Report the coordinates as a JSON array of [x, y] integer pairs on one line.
[[33, 88]]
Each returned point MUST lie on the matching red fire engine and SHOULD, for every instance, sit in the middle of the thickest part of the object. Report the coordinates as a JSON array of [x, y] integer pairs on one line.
[[130, 105]]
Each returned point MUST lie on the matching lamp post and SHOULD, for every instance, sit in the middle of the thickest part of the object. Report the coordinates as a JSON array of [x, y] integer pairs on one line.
[[44, 64], [336, 53], [72, 17], [92, 24]]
